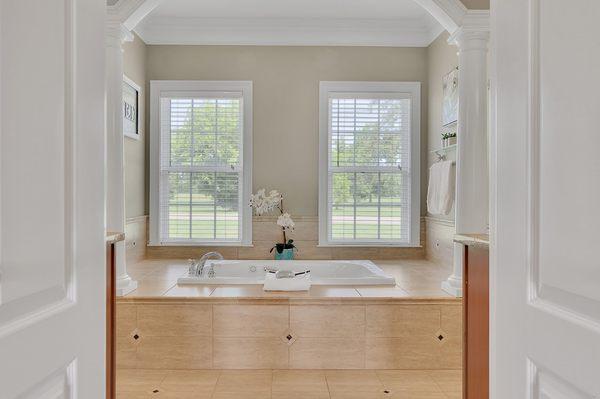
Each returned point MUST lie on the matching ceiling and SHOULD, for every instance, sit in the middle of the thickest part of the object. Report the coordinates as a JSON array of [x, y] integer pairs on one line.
[[290, 22]]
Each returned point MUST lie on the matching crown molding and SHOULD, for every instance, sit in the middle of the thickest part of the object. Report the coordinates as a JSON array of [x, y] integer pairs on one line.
[[288, 31], [130, 13], [475, 25], [449, 13]]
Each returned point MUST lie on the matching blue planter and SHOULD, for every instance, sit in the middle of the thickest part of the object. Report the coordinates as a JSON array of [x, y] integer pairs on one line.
[[287, 254]]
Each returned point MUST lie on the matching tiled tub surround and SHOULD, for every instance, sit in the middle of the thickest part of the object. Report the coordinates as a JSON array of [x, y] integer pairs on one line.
[[289, 333]]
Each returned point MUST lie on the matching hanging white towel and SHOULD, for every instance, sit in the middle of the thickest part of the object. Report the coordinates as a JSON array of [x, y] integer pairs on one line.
[[440, 193], [298, 283]]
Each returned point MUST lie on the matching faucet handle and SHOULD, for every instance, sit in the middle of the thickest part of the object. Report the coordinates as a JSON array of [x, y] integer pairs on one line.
[[193, 265]]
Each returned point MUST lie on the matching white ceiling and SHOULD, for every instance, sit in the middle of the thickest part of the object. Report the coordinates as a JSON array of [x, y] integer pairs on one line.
[[290, 22]]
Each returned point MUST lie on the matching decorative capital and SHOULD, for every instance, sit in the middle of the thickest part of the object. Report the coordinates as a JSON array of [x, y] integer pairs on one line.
[[474, 33], [117, 34]]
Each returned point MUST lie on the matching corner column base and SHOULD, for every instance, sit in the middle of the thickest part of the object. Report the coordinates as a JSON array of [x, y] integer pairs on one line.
[[452, 290]]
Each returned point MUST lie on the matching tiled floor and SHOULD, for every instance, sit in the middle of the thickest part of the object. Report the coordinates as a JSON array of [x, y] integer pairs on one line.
[[415, 278], [289, 384]]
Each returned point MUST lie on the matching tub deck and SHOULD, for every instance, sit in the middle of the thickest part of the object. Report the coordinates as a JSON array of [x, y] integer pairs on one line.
[[415, 279]]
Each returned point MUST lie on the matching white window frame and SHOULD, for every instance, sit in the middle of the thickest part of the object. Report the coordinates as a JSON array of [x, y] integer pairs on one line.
[[157, 88], [413, 91]]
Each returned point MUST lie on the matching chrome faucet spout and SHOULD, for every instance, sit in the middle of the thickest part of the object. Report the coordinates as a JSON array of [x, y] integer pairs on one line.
[[199, 270]]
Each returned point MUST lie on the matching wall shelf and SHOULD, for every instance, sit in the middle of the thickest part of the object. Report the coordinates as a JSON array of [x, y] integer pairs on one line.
[[441, 153]]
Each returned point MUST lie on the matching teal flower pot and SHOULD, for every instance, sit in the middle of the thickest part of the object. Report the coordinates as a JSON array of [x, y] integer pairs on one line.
[[286, 254]]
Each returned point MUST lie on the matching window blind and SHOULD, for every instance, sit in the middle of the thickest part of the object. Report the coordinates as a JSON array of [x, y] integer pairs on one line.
[[201, 167], [369, 179]]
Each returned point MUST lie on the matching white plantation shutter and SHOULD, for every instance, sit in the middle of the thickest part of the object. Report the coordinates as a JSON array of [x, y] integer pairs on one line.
[[201, 182], [369, 169]]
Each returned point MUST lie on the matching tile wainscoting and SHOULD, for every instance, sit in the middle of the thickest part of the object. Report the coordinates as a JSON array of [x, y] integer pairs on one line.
[[439, 243], [265, 233], [437, 237], [136, 239], [234, 333]]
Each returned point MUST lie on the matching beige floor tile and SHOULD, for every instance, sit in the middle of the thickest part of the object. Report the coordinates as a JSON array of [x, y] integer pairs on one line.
[[245, 382], [241, 395], [199, 381], [413, 381], [300, 395], [416, 395], [139, 380], [359, 395], [328, 353], [299, 381], [353, 381]]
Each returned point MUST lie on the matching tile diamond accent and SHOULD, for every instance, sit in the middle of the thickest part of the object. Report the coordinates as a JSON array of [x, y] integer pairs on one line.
[[441, 336], [289, 338]]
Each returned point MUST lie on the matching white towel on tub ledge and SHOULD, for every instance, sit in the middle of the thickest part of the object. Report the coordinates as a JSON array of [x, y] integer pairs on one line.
[[440, 193], [299, 283]]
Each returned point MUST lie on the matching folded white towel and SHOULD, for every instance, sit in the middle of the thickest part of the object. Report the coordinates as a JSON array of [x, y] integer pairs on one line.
[[440, 193], [298, 283]]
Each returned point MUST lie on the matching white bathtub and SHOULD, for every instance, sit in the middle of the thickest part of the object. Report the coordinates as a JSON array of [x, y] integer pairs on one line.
[[322, 272]]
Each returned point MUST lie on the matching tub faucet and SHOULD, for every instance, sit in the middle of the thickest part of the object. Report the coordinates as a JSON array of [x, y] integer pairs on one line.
[[199, 265]]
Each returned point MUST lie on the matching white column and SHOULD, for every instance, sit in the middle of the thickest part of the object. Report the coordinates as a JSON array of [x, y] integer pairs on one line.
[[116, 35], [472, 178]]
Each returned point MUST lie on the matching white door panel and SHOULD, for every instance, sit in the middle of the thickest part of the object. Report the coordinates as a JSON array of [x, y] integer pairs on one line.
[[52, 198], [546, 291]]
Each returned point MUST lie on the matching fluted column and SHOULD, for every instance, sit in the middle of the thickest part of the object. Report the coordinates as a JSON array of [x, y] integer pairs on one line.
[[116, 35], [472, 176]]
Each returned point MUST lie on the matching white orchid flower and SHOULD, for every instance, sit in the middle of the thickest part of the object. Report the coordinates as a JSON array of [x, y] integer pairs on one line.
[[286, 222]]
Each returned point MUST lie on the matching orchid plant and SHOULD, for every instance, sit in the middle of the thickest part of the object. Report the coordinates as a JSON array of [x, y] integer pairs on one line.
[[264, 203]]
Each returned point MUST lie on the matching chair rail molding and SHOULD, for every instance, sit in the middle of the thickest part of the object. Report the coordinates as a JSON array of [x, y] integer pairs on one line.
[[121, 18]]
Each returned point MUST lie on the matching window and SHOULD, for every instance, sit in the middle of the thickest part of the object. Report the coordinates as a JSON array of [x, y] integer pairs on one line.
[[200, 169], [369, 179]]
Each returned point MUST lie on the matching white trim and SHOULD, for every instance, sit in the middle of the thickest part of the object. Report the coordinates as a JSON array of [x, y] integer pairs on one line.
[[131, 83], [407, 32], [413, 89], [158, 87], [130, 12], [449, 13]]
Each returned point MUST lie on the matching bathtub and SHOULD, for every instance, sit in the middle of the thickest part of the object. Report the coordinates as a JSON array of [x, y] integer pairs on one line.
[[322, 272]]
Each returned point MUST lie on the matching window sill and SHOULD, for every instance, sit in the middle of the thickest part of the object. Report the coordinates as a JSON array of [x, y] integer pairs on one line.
[[200, 244], [368, 245]]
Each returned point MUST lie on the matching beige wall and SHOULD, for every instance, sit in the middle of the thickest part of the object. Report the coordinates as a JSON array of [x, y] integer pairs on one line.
[[134, 60], [286, 89], [442, 59], [477, 4]]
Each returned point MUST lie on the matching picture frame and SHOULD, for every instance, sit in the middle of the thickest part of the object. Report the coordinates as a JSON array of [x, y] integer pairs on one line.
[[450, 98], [131, 107]]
